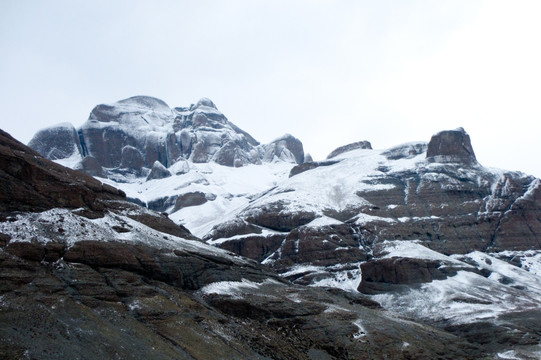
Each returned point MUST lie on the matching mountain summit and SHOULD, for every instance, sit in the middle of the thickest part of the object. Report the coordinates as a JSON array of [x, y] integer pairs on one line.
[[129, 136]]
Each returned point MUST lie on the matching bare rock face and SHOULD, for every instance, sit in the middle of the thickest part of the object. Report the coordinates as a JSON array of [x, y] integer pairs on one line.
[[320, 246], [232, 155], [286, 148], [353, 146], [57, 142], [128, 136], [254, 247], [131, 158], [382, 274], [451, 146]]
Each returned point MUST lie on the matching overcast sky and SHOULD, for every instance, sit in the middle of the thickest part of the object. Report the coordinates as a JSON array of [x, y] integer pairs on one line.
[[328, 72]]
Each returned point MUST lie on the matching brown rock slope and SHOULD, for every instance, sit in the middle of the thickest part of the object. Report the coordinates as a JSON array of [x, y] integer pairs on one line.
[[436, 193]]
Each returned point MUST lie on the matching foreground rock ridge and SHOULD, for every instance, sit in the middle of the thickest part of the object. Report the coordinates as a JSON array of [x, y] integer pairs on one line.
[[99, 277], [421, 228]]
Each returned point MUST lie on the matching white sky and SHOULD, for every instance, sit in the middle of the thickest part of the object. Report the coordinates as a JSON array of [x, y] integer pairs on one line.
[[328, 72]]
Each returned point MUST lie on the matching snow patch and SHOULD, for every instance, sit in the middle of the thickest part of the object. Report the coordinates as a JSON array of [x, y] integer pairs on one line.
[[362, 331], [323, 221], [233, 289], [412, 249], [66, 227]]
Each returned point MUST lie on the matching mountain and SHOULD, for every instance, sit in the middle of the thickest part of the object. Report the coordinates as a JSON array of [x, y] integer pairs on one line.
[[421, 228], [131, 135]]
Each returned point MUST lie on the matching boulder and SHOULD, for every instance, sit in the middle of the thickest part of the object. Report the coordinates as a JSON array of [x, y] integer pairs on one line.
[[199, 154], [228, 155], [158, 171], [190, 199]]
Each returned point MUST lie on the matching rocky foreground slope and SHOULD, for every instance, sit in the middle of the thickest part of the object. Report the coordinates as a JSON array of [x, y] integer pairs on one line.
[[86, 274], [422, 228]]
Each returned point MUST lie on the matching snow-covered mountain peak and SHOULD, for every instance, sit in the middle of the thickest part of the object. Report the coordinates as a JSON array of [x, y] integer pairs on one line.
[[148, 102], [126, 138], [133, 113], [206, 102]]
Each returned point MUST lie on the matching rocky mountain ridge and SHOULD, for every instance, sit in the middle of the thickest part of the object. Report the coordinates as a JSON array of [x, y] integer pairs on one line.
[[398, 224], [137, 135], [92, 275]]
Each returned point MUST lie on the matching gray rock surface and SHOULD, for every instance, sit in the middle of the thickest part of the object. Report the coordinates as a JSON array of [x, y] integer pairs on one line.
[[286, 148], [131, 134], [158, 171], [451, 146]]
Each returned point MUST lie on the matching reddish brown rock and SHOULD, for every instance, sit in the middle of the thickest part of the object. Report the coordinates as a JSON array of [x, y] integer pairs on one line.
[[30, 182]]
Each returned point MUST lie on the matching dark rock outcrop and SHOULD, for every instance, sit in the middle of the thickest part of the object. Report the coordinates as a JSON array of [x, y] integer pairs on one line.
[[190, 199], [350, 147], [451, 146], [272, 217], [298, 169], [381, 274], [232, 155], [254, 247], [330, 245]]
